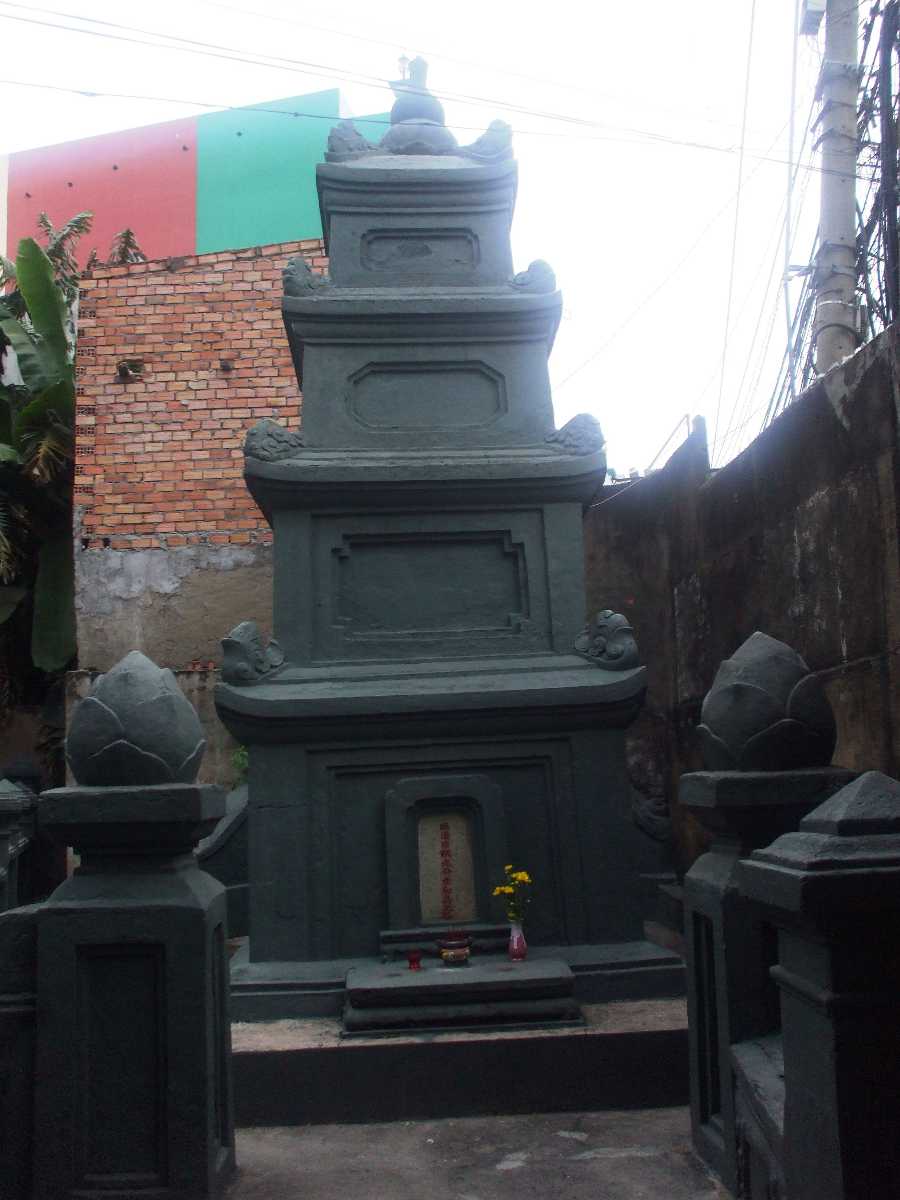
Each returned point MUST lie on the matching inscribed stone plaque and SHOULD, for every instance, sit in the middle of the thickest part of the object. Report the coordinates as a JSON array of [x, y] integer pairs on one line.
[[446, 869]]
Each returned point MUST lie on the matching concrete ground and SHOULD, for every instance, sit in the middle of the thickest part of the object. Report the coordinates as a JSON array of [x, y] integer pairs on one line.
[[636, 1155]]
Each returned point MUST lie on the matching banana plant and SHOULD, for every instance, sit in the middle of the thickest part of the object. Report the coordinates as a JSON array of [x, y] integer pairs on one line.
[[37, 420]]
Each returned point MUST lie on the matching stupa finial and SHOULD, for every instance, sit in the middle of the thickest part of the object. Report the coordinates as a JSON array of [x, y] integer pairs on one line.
[[417, 118]]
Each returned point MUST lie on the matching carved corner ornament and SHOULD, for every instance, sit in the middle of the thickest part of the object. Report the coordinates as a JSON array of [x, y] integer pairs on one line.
[[269, 441], [538, 278], [608, 641], [494, 145], [346, 142], [581, 435], [299, 279], [245, 659]]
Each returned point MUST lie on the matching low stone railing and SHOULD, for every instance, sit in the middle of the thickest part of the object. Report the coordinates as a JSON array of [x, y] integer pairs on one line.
[[17, 814], [792, 956]]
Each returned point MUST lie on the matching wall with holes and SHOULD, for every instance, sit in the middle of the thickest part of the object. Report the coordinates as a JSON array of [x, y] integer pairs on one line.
[[176, 359], [221, 181]]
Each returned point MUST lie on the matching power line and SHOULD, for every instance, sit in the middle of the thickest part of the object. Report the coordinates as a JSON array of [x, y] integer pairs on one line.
[[642, 304], [789, 195], [738, 421], [496, 68], [737, 215], [232, 54], [271, 62], [789, 236], [92, 94]]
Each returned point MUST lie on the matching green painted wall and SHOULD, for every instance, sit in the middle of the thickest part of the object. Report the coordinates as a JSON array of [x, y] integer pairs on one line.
[[256, 172], [374, 126]]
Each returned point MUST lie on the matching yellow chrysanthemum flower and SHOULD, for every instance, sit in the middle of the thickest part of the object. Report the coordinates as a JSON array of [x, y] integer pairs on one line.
[[508, 867], [522, 877]]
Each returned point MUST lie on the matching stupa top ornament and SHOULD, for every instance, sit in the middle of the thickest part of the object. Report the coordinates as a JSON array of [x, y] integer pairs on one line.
[[417, 128]]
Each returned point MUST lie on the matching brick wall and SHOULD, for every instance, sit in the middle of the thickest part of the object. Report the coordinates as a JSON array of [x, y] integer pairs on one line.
[[158, 459]]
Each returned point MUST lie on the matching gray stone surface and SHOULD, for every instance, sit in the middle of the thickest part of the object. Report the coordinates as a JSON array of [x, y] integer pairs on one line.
[[18, 1022], [132, 1081], [766, 711], [832, 890], [608, 641], [429, 574], [269, 440], [245, 659], [764, 708], [632, 1155], [759, 1116], [135, 727], [620, 971], [223, 854], [394, 983], [17, 807]]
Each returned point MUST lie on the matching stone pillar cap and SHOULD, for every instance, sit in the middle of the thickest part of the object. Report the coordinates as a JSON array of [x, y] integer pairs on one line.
[[766, 711], [158, 819], [757, 806], [844, 858], [135, 728]]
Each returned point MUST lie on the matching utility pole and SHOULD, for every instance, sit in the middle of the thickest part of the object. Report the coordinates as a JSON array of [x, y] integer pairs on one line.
[[835, 329]]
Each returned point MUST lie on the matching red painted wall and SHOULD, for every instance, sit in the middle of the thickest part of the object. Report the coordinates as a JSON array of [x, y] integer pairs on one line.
[[145, 179]]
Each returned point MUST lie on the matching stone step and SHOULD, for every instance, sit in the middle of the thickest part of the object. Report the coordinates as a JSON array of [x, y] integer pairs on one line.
[[266, 991], [487, 990], [626, 1055]]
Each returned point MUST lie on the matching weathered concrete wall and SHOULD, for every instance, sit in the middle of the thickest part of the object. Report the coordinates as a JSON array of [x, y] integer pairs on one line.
[[798, 536], [171, 551], [173, 605]]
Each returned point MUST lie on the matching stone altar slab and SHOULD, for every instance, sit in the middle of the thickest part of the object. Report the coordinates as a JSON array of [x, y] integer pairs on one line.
[[493, 991]]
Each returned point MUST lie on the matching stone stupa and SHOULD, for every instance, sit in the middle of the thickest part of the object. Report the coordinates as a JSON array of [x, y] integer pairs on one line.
[[431, 706]]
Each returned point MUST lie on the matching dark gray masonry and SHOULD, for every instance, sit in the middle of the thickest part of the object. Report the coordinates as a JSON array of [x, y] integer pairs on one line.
[[430, 676], [767, 733], [132, 1042]]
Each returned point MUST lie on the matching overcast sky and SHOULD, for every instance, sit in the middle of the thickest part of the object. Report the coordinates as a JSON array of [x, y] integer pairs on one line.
[[628, 144]]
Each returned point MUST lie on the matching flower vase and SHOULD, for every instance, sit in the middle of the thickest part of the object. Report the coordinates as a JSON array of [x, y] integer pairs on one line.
[[518, 947]]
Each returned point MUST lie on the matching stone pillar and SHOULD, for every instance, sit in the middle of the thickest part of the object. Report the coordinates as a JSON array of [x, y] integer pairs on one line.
[[833, 891], [17, 1038], [766, 731], [133, 1094]]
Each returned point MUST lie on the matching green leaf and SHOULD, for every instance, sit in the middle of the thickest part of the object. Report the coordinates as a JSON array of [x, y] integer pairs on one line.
[[13, 398], [46, 305], [9, 453], [54, 406], [9, 601], [7, 409], [37, 365], [53, 626]]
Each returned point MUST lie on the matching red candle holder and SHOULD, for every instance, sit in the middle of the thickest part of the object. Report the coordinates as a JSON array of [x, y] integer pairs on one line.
[[414, 958]]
